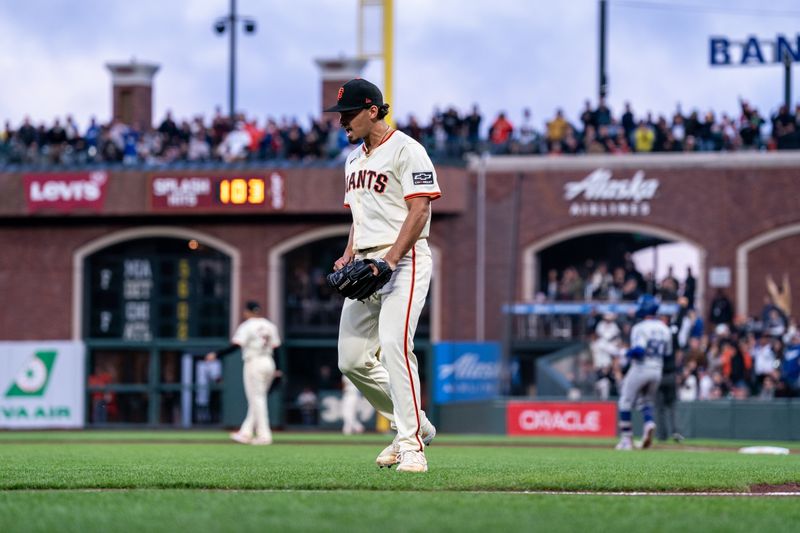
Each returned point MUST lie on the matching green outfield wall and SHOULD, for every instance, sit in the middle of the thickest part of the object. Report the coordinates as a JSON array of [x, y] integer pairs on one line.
[[777, 419]]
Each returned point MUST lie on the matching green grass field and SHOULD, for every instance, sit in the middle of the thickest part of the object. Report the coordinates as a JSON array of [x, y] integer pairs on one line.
[[200, 481]]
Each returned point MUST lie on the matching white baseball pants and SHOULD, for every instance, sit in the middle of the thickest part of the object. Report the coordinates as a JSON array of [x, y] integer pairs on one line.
[[386, 323], [258, 374]]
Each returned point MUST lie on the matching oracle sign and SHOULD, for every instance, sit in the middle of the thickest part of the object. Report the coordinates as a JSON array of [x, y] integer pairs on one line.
[[65, 192], [595, 419]]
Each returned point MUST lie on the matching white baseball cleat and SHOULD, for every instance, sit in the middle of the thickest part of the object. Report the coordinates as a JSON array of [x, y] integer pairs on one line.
[[624, 444], [240, 437], [261, 441], [428, 435], [389, 456], [647, 436], [412, 461]]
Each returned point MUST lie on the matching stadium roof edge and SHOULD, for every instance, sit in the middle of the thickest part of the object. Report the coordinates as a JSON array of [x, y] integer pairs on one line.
[[518, 163]]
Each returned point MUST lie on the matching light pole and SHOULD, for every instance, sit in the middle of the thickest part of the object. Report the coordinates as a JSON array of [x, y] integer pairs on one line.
[[603, 79], [229, 24]]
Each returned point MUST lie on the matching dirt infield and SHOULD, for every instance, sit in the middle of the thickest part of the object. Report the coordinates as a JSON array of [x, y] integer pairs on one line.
[[765, 488]]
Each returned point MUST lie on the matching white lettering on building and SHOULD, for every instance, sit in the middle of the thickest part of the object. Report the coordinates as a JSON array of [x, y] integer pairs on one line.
[[469, 366], [181, 192], [54, 191], [603, 196]]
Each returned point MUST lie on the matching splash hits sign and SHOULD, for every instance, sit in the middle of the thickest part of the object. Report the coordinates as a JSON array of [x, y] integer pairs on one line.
[[587, 419], [185, 193]]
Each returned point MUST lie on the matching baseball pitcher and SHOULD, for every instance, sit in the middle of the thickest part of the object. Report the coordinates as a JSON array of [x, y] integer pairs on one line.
[[385, 271]]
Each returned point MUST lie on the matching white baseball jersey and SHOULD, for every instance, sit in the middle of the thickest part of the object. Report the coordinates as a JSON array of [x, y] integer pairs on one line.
[[258, 337], [378, 184], [655, 338]]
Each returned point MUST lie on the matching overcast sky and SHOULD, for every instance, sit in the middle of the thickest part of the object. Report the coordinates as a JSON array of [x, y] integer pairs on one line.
[[500, 54]]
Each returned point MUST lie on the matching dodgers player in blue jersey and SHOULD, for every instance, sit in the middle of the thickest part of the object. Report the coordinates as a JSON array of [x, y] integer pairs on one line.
[[651, 341]]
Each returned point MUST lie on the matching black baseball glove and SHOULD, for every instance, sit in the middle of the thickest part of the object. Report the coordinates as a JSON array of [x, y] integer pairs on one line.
[[357, 279]]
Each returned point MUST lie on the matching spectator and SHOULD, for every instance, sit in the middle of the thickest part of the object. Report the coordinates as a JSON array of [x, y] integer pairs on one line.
[[527, 137], [644, 138], [602, 115], [689, 386], [473, 122], [721, 311], [689, 287], [235, 145], [606, 348], [628, 122], [750, 123], [705, 388], [500, 134], [790, 366], [764, 359], [784, 129], [669, 287], [556, 130], [588, 118]]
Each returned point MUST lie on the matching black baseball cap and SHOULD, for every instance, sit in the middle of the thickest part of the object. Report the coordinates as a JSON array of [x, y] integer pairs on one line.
[[253, 306], [357, 94]]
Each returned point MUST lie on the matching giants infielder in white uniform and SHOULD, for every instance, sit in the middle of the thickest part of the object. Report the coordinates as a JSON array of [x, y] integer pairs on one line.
[[257, 337], [389, 184], [651, 341]]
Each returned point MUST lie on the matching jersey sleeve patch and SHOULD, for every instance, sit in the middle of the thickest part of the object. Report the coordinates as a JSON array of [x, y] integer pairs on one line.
[[422, 178]]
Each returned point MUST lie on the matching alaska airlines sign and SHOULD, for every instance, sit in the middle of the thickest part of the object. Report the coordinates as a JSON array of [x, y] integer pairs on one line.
[[752, 51], [599, 195]]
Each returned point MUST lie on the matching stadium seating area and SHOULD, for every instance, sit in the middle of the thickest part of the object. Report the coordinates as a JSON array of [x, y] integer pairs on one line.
[[448, 135], [718, 355]]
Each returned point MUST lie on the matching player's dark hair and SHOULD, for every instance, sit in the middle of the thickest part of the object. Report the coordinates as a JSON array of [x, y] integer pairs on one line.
[[383, 110]]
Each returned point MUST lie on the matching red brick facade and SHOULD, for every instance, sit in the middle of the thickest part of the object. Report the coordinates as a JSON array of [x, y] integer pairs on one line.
[[726, 205]]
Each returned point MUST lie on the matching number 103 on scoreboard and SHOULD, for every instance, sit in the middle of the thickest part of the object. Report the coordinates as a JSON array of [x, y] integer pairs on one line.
[[241, 191]]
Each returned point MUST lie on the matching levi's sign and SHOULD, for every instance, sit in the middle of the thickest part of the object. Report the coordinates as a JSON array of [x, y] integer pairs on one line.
[[591, 419], [65, 192], [598, 194]]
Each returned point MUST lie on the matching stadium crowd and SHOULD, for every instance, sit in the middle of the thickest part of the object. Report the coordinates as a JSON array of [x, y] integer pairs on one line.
[[728, 356], [448, 134]]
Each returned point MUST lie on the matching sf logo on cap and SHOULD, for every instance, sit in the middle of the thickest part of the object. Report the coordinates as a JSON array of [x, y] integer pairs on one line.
[[341, 93]]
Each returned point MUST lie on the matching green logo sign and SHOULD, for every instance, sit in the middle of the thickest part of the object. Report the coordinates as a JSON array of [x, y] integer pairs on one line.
[[33, 377]]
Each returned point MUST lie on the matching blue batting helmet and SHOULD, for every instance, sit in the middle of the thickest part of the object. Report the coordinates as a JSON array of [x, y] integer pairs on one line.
[[646, 305]]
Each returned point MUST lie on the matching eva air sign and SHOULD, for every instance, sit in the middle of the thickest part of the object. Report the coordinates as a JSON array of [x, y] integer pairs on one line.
[[32, 379], [42, 384]]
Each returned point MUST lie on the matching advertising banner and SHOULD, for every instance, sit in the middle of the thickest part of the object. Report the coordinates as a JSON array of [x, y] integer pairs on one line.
[[562, 419], [466, 371], [66, 192], [42, 384], [216, 193]]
